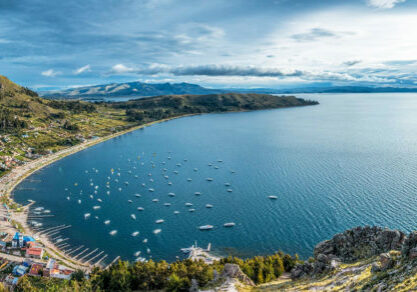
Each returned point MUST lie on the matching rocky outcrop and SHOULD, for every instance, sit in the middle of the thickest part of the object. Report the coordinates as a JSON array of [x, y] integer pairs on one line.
[[352, 245], [361, 242], [234, 271]]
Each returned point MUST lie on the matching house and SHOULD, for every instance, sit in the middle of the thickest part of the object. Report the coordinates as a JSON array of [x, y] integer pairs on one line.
[[55, 270], [19, 270], [11, 280], [2, 245], [35, 270], [34, 252], [17, 240], [28, 239]]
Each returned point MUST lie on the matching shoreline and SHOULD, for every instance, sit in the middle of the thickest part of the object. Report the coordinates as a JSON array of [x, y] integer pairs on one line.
[[12, 179]]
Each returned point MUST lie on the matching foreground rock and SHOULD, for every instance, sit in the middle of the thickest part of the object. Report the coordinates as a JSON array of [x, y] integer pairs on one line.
[[356, 244], [234, 271]]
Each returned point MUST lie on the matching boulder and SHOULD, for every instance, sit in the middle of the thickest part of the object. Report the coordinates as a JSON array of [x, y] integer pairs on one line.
[[234, 271]]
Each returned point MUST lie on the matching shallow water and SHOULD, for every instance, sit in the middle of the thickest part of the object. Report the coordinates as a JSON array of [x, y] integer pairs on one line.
[[352, 160]]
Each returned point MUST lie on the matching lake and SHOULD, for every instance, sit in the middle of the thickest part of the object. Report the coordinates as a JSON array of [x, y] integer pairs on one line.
[[352, 160]]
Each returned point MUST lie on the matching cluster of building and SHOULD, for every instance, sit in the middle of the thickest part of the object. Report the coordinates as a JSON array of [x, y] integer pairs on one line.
[[32, 265], [9, 162]]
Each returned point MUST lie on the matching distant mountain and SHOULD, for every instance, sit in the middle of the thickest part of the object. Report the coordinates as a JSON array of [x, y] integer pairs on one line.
[[130, 89], [326, 89]]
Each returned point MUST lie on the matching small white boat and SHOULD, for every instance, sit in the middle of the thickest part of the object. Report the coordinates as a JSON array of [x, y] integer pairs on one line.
[[136, 233], [100, 200], [189, 179], [229, 190], [120, 189], [197, 193], [107, 222], [130, 201], [145, 240], [156, 231], [47, 211], [91, 197], [195, 169], [137, 195], [210, 164], [151, 179], [171, 194], [148, 250], [191, 210], [167, 204], [133, 216], [96, 207], [113, 232], [206, 227], [227, 184], [175, 171], [126, 182], [155, 200], [229, 224], [219, 160], [108, 192], [209, 179], [216, 167], [188, 204], [140, 209], [79, 201], [159, 221], [68, 198], [166, 177], [273, 197], [170, 183], [151, 190], [136, 254], [209, 206], [176, 212], [87, 215]]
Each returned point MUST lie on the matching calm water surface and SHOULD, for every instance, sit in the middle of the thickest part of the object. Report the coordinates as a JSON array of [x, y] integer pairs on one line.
[[352, 160]]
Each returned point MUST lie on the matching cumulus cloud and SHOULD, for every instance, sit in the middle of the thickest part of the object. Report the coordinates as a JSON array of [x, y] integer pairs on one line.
[[384, 4], [50, 73], [86, 68], [120, 69]]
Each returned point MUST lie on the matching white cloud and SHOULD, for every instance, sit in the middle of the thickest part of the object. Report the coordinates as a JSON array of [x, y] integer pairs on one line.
[[86, 68], [385, 4], [120, 69], [50, 73]]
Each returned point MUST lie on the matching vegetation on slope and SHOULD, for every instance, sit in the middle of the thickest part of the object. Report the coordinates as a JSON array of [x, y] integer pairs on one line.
[[177, 276]]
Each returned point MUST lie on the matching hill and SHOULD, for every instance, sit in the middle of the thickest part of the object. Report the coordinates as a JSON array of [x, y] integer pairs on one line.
[[129, 89], [31, 126]]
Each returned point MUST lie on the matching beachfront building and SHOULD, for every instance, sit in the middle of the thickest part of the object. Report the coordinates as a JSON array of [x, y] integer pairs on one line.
[[54, 270], [17, 240], [36, 270], [34, 252], [19, 270]]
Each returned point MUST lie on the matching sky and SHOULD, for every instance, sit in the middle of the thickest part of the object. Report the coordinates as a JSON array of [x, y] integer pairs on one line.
[[50, 44]]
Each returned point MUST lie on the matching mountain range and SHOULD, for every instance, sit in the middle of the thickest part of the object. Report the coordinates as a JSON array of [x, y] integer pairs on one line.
[[142, 89]]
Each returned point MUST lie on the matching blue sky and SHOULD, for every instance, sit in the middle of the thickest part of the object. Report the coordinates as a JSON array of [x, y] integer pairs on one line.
[[49, 44]]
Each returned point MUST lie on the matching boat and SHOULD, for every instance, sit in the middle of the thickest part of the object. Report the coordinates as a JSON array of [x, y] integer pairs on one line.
[[126, 182], [68, 198], [191, 210], [145, 240], [107, 222], [178, 164], [91, 197], [219, 160], [209, 179], [166, 177], [227, 184], [155, 200], [210, 164], [151, 179], [113, 232], [171, 194], [79, 201], [87, 215], [216, 167], [176, 212], [206, 227], [148, 250], [209, 206], [99, 200], [96, 207], [120, 189], [135, 233], [130, 201], [141, 260], [47, 211], [230, 224], [156, 231], [140, 209], [188, 204], [175, 171], [229, 190], [273, 197], [151, 190], [195, 169], [170, 183], [136, 254], [167, 204], [197, 193], [159, 221], [189, 179], [137, 195], [133, 216]]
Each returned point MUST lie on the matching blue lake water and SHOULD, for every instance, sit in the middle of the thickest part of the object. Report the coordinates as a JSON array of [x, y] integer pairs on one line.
[[352, 160]]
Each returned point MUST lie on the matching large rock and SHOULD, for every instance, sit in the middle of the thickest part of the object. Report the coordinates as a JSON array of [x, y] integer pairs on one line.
[[361, 242], [409, 248], [234, 271]]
